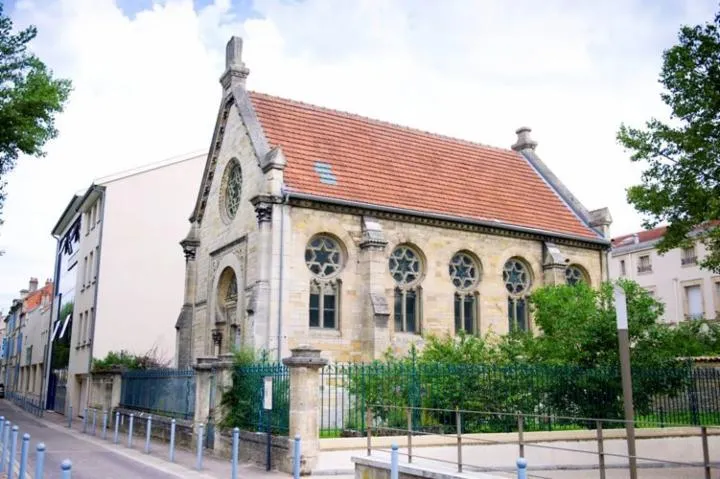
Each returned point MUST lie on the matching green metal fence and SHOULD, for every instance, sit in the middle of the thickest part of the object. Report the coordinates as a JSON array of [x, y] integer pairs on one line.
[[677, 395], [249, 385], [168, 392]]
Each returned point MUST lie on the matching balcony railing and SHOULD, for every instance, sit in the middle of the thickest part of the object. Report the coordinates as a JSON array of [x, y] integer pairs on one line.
[[645, 268], [688, 260]]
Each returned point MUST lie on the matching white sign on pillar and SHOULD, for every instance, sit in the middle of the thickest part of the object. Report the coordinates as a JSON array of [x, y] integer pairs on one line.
[[620, 308], [267, 397]]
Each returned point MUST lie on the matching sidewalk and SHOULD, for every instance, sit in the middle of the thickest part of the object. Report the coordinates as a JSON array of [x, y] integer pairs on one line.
[[92, 457]]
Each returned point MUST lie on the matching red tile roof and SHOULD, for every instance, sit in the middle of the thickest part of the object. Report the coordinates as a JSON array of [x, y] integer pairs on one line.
[[388, 165], [34, 299], [643, 236]]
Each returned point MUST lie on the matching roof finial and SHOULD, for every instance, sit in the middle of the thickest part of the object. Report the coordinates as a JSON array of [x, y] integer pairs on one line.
[[235, 70], [524, 141]]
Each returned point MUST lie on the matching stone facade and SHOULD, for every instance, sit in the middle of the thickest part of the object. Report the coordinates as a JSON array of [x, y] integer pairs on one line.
[[262, 247]]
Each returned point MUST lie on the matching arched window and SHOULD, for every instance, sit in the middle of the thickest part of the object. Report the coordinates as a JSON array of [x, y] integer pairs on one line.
[[324, 258], [465, 276], [406, 269], [517, 279], [575, 274]]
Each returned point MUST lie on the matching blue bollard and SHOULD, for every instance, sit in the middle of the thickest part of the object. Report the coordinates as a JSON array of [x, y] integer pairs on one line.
[[148, 432], [105, 419], [40, 461], [172, 440], [198, 461], [117, 427], [130, 429], [235, 441], [522, 468], [6, 443], [66, 468], [70, 417], [394, 462], [23, 455], [94, 422], [2, 424], [13, 451], [296, 458], [85, 422]]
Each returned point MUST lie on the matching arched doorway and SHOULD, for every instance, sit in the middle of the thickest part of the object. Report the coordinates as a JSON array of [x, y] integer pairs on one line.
[[227, 325]]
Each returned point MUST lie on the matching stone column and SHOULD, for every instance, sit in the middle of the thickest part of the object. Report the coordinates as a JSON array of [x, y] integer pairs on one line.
[[263, 209], [554, 264], [203, 375], [373, 268], [304, 364], [185, 321]]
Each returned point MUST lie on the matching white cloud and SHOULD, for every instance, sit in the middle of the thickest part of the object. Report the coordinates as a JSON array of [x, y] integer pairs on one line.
[[146, 85]]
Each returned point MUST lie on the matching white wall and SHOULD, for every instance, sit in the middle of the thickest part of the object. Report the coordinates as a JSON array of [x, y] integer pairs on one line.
[[142, 268], [668, 278]]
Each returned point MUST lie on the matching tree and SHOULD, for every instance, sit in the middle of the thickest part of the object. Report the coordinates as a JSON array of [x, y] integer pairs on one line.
[[29, 99], [681, 184]]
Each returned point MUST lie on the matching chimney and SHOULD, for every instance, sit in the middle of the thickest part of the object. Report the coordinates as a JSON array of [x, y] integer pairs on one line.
[[235, 70], [32, 286], [23, 294], [524, 142]]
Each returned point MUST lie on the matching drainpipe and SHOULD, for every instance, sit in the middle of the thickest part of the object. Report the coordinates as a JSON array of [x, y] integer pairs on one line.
[[284, 201]]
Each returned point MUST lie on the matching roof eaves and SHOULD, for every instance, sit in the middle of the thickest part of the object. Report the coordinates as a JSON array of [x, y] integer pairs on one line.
[[559, 188], [446, 217], [631, 248], [67, 215]]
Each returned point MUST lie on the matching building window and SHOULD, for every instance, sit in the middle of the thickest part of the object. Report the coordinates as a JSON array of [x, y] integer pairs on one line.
[[517, 283], [406, 269], [98, 205], [623, 271], [644, 265], [689, 257], [232, 187], [324, 258], [716, 285], [465, 276], [694, 302], [575, 274]]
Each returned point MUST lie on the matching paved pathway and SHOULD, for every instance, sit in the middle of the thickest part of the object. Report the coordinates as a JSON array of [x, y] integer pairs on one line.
[[94, 458]]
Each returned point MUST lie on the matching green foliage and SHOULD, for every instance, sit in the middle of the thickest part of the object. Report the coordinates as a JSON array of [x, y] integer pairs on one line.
[[124, 360], [237, 401], [570, 368], [29, 99], [681, 184]]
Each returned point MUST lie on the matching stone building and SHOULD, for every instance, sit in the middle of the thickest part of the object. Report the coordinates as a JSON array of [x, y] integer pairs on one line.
[[314, 226]]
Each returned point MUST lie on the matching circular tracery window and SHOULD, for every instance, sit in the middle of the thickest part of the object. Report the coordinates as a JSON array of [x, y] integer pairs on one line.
[[516, 277], [405, 266], [323, 256], [233, 188], [574, 275], [464, 271]]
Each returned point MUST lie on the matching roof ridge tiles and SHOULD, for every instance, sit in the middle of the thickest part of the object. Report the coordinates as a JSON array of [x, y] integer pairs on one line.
[[324, 109]]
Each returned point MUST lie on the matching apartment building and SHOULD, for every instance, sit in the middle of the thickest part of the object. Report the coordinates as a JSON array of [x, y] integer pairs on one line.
[[688, 291], [118, 275], [24, 342]]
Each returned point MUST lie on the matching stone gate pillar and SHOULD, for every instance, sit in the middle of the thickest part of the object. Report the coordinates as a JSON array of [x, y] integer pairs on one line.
[[304, 364]]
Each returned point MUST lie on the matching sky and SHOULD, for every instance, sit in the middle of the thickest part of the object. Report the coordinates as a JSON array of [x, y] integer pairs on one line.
[[145, 76]]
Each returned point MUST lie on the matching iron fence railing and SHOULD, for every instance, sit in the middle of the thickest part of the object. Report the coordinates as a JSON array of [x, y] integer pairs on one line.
[[246, 399], [169, 392], [453, 447], [681, 394]]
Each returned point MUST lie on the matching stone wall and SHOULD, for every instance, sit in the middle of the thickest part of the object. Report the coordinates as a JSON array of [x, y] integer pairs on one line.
[[375, 468], [437, 246], [253, 449]]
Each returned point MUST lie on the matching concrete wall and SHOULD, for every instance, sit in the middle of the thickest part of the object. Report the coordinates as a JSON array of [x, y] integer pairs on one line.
[[668, 278], [141, 268]]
